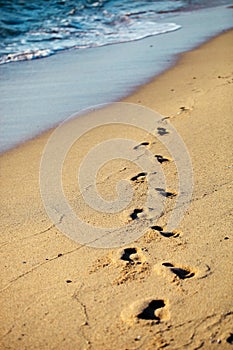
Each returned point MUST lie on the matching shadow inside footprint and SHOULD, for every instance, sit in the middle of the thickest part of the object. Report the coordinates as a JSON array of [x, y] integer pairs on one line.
[[135, 213], [167, 194], [182, 273], [157, 228], [230, 339], [184, 109], [167, 264], [149, 312], [169, 234], [174, 234], [161, 159], [127, 253], [145, 143], [162, 131], [138, 177]]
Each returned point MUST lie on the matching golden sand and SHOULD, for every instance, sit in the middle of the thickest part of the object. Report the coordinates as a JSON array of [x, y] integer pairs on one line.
[[168, 290]]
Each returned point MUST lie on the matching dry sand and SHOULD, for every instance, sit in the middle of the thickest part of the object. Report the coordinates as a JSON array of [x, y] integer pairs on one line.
[[168, 290]]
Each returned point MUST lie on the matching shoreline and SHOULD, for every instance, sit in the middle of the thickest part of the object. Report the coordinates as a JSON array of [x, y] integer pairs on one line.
[[66, 295], [177, 58], [176, 61], [38, 95]]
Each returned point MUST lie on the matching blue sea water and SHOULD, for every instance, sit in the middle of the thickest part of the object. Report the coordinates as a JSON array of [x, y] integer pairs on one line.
[[40, 28], [59, 57]]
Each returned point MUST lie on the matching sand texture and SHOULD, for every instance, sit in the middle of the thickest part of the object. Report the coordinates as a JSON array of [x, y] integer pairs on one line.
[[168, 289]]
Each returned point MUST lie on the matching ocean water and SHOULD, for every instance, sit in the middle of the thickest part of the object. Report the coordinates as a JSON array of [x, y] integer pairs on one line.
[[98, 61], [40, 28]]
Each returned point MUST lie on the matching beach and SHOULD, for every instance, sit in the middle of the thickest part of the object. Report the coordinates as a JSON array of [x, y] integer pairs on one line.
[[166, 289]]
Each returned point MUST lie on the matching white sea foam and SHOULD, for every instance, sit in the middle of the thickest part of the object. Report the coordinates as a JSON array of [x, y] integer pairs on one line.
[[38, 94]]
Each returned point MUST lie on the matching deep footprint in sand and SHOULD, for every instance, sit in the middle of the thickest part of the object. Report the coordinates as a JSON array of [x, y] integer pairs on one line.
[[184, 109], [174, 272], [140, 177], [162, 159], [136, 214], [180, 272], [168, 194], [153, 310], [149, 312], [166, 234], [133, 264], [131, 255], [173, 234], [162, 131], [127, 253], [230, 339], [144, 143]]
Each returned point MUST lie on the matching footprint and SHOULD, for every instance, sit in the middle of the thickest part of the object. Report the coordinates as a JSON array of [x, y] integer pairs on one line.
[[136, 214], [157, 228], [149, 312], [131, 255], [173, 234], [184, 109], [181, 272], [230, 339], [162, 159], [139, 177], [144, 143], [153, 310], [162, 131], [174, 272], [168, 194], [133, 265], [167, 234]]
